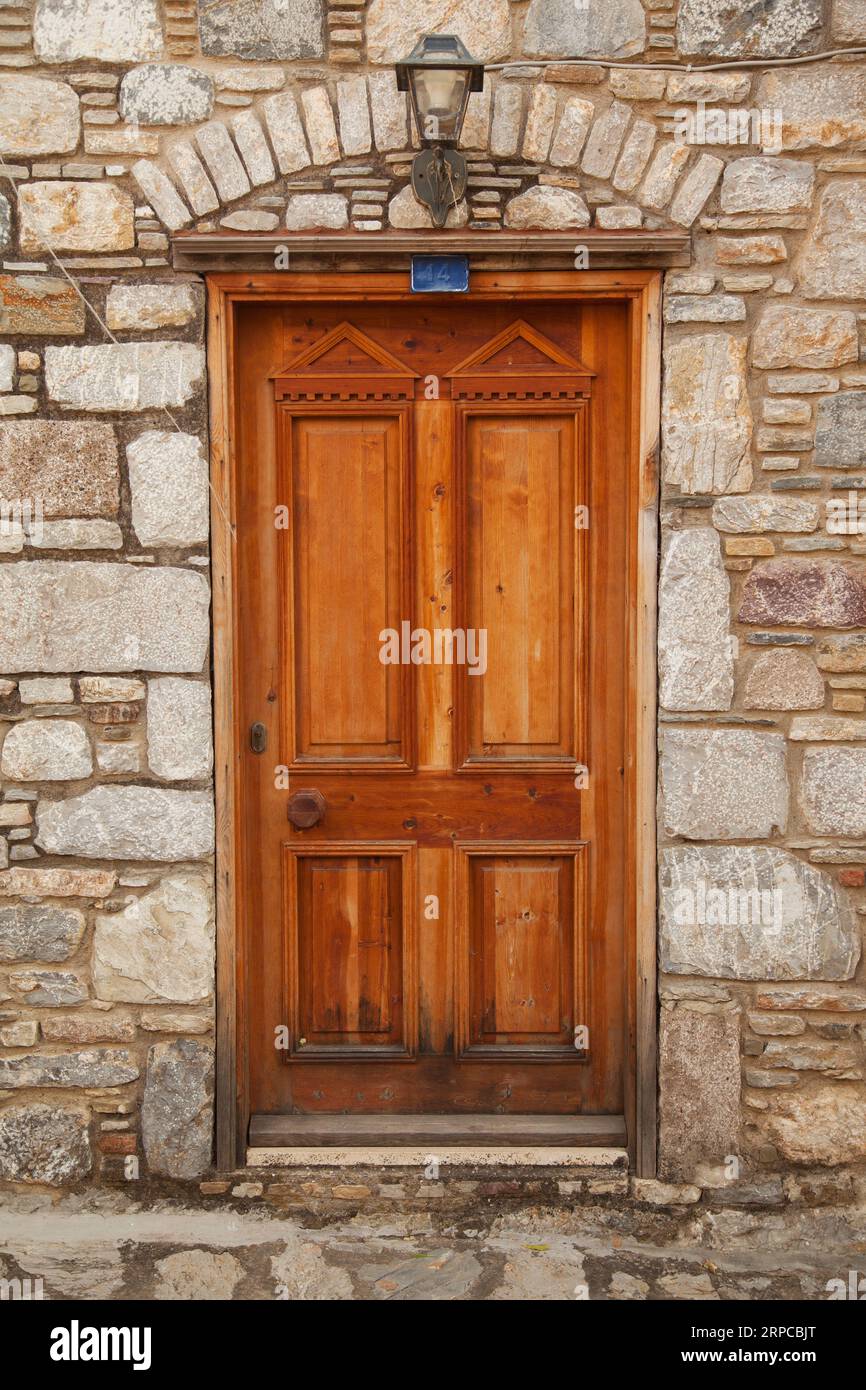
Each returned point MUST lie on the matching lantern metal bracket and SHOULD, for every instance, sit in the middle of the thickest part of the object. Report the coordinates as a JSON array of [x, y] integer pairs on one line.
[[439, 181]]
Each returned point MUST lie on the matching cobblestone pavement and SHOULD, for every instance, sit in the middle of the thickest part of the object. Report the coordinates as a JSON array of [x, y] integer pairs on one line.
[[86, 1248]]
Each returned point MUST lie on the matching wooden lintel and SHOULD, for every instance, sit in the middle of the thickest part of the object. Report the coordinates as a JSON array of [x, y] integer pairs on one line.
[[315, 251]]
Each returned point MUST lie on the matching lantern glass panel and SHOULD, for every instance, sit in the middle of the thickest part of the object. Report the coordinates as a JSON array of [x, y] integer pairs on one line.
[[441, 95]]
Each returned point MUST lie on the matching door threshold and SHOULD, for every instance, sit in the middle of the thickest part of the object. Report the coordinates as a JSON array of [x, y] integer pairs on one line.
[[609, 1160], [451, 1131]]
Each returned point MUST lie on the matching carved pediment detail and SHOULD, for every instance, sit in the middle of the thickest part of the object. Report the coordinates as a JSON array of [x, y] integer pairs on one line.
[[520, 363], [345, 365]]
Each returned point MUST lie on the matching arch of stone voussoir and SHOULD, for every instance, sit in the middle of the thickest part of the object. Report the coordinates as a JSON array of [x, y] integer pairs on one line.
[[626, 172]]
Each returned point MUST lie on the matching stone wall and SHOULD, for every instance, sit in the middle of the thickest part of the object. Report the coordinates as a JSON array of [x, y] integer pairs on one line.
[[123, 121]]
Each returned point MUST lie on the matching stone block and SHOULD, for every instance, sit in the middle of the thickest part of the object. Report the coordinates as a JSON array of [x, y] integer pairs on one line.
[[605, 141], [57, 883], [753, 912], [796, 337], [70, 467], [128, 822], [46, 750], [765, 184], [826, 1126], [848, 21], [540, 121], [695, 189], [723, 784], [699, 1097], [668, 163], [253, 147], [168, 479], [547, 209], [69, 216], [320, 124], [705, 308], [98, 1067], [194, 179], [821, 105], [262, 30], [706, 416], [137, 308], [758, 514], [804, 593], [317, 212], [111, 31], [160, 948], [39, 932], [393, 30], [833, 791], [124, 376], [390, 112], [840, 433], [736, 29], [44, 1144], [58, 615], [833, 261], [286, 131], [635, 156], [222, 159], [356, 135], [561, 29], [40, 304], [507, 112], [161, 194], [696, 650], [784, 679], [166, 94], [177, 1112], [179, 745], [37, 117], [48, 989]]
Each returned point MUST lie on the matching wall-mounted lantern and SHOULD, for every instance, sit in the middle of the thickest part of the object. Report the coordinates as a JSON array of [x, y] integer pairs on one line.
[[439, 75]]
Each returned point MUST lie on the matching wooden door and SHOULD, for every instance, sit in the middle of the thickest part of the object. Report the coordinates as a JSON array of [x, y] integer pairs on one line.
[[432, 626]]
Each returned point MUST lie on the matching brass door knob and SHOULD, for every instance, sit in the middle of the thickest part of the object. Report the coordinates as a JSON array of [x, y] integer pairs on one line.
[[306, 808]]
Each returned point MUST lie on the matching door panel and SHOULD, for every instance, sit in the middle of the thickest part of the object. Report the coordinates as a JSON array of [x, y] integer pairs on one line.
[[520, 568], [348, 581], [449, 938], [521, 952], [351, 951]]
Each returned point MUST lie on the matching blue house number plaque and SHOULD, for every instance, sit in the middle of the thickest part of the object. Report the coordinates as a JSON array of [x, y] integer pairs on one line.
[[440, 274]]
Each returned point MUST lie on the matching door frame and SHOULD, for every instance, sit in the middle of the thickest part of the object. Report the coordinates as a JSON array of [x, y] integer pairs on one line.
[[640, 290]]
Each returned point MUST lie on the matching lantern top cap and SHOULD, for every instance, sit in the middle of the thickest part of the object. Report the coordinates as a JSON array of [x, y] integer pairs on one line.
[[440, 51]]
